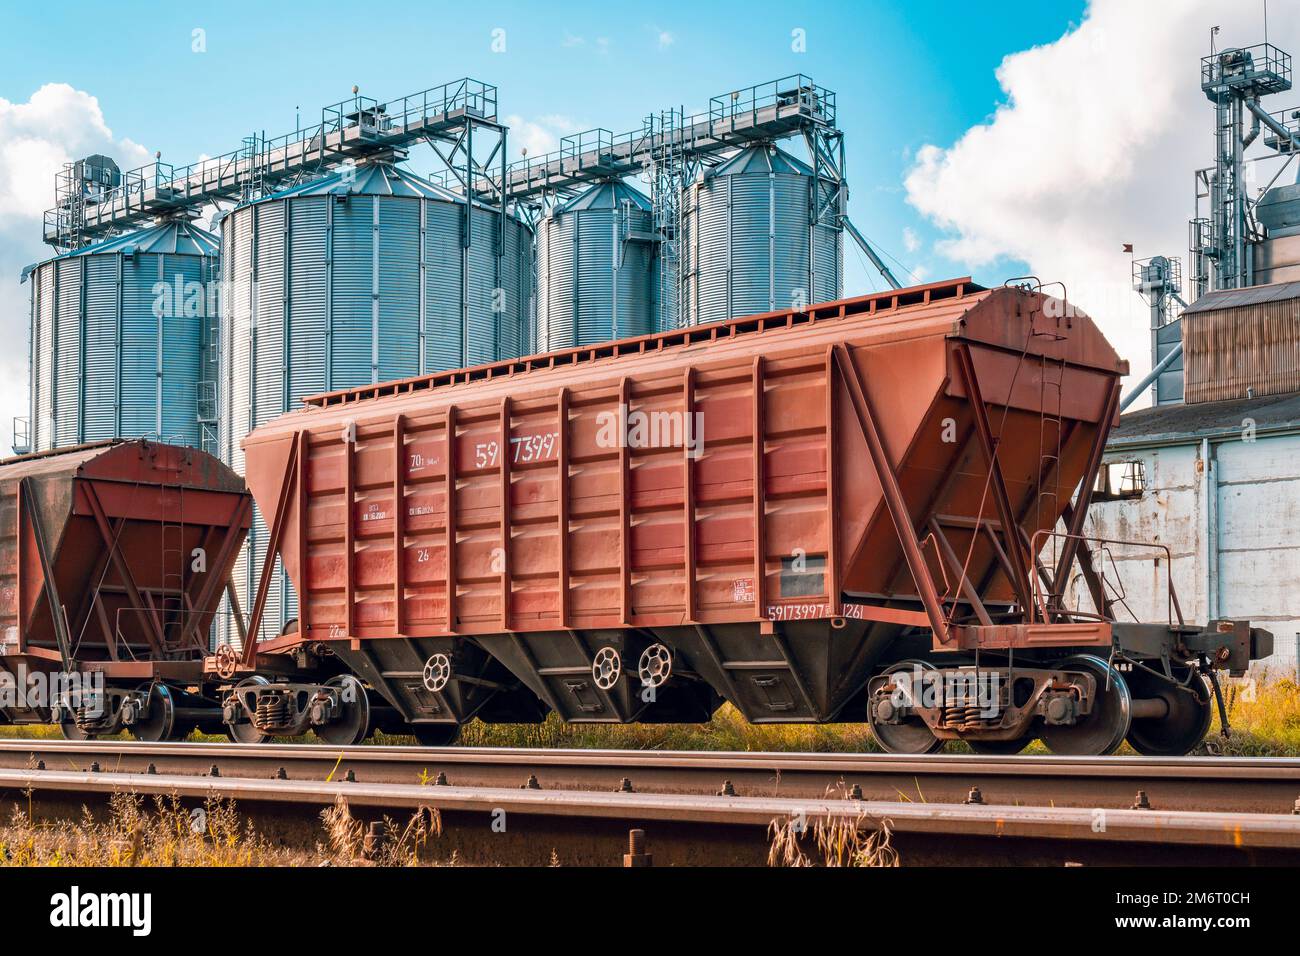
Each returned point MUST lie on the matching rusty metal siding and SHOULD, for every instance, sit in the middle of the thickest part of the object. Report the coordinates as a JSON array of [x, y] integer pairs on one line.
[[1247, 347]]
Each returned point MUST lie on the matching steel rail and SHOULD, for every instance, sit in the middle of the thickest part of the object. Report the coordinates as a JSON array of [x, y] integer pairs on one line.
[[719, 825], [1212, 784]]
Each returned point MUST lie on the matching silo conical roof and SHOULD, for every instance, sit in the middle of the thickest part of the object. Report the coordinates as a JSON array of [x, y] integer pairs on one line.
[[611, 194], [761, 158], [173, 237]]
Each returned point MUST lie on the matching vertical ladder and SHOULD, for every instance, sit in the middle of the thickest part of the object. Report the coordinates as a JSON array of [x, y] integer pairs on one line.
[[254, 162], [1050, 428], [173, 597]]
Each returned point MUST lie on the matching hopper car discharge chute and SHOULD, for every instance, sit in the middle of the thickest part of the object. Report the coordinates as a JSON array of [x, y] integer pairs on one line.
[[867, 510], [114, 557]]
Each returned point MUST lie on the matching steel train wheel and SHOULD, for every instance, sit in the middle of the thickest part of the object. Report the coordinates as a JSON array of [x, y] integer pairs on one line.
[[436, 735], [160, 724], [913, 735], [354, 723], [1186, 724], [1001, 748], [246, 733], [1103, 730]]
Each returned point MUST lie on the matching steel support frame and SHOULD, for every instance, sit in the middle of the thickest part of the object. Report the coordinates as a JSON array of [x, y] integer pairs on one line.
[[288, 483], [1002, 500], [1079, 512], [892, 493], [58, 616], [154, 628], [230, 542]]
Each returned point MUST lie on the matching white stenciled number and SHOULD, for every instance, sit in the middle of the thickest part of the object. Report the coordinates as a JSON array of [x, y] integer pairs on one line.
[[485, 454], [421, 555], [537, 447]]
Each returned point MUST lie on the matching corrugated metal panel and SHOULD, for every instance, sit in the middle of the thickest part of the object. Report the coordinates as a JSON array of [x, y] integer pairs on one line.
[[102, 351], [442, 286], [140, 346], [1254, 346], [308, 294], [67, 352], [181, 349], [595, 262], [113, 354], [1251, 295], [398, 233], [43, 366], [749, 244]]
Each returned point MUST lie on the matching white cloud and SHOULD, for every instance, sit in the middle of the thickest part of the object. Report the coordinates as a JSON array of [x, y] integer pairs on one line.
[[57, 124], [666, 38], [539, 135], [911, 241], [1094, 147]]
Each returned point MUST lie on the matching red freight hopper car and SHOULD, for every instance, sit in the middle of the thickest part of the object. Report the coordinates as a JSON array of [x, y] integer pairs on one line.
[[113, 559], [820, 515]]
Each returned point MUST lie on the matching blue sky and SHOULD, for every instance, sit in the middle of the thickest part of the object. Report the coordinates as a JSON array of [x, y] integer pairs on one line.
[[906, 73], [989, 138]]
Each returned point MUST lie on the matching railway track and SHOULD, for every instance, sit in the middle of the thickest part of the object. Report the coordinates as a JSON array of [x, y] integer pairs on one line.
[[536, 823], [1206, 784]]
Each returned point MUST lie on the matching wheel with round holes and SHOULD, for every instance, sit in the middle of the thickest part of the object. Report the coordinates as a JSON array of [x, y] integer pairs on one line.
[[437, 673], [606, 668], [655, 666]]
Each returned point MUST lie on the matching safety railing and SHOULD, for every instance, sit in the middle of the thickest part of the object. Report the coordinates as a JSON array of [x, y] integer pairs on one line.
[[1042, 612]]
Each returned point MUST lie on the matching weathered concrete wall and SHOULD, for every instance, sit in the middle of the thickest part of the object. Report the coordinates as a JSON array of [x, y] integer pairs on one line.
[[1238, 558]]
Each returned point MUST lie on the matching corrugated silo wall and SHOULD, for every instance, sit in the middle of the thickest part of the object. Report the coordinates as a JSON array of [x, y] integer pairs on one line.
[[750, 246], [583, 297], [111, 356], [312, 282]]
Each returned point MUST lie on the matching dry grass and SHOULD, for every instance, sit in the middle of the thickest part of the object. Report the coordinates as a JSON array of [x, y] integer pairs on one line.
[[140, 832], [838, 843], [160, 831], [728, 730], [1264, 715]]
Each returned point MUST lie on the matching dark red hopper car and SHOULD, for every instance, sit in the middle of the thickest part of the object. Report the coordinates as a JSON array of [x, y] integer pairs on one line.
[[113, 559], [805, 513]]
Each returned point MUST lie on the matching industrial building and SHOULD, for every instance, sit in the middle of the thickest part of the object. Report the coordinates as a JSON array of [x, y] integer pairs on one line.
[[1211, 472]]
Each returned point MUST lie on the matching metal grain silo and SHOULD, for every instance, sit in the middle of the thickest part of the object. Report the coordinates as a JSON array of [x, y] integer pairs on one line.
[[759, 233], [357, 277], [595, 255], [118, 343]]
